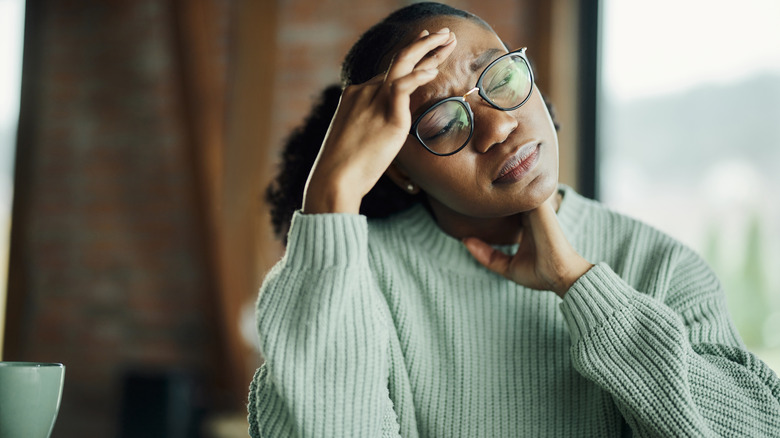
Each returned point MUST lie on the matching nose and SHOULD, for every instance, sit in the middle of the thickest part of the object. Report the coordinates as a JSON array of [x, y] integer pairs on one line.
[[491, 126]]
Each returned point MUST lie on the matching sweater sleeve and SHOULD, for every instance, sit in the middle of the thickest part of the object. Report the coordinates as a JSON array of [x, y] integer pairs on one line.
[[323, 336], [674, 367]]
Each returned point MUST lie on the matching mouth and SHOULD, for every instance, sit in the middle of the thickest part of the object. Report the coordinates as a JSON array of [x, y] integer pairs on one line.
[[519, 164]]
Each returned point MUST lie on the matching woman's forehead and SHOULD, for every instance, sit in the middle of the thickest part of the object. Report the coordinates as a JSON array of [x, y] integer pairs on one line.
[[459, 73], [476, 45], [476, 48]]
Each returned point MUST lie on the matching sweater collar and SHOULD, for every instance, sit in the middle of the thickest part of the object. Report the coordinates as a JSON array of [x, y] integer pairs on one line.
[[421, 230]]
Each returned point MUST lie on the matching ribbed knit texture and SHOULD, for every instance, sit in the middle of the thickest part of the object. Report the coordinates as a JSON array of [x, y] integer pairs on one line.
[[389, 328]]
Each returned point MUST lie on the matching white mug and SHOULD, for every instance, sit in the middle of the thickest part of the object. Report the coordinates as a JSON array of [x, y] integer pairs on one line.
[[30, 394]]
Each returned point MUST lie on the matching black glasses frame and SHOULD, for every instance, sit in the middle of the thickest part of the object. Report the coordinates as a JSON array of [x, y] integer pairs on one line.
[[462, 100]]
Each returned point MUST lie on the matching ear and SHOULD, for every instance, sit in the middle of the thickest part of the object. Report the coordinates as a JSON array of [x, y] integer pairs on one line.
[[401, 179]]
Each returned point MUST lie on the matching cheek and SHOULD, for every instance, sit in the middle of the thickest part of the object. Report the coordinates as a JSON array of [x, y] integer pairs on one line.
[[440, 177], [451, 181], [543, 119]]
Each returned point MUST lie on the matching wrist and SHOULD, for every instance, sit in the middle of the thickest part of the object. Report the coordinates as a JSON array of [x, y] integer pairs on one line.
[[575, 273], [319, 198]]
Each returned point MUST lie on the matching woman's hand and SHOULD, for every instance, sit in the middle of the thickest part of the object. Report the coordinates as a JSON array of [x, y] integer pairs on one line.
[[545, 259], [370, 126]]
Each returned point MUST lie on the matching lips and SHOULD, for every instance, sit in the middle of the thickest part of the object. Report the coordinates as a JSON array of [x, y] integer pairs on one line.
[[519, 163]]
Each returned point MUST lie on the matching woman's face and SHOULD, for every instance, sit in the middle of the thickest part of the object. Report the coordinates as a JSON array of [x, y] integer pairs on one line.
[[521, 144]]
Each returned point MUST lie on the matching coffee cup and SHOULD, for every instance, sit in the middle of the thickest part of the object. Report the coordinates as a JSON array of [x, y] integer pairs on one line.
[[30, 394]]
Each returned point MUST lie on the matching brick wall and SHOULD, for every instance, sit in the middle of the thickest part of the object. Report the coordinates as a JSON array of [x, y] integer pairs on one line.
[[108, 252]]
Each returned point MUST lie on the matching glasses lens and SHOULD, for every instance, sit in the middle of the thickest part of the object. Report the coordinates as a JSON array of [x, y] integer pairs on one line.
[[508, 82], [445, 127]]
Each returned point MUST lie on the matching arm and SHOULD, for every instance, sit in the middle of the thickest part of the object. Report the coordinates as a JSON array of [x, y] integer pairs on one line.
[[674, 367], [322, 328], [678, 371], [324, 337]]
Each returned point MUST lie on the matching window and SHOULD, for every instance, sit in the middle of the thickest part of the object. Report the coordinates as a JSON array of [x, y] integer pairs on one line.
[[11, 36], [689, 140]]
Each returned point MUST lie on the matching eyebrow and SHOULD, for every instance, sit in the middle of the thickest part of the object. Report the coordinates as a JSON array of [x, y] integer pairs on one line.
[[484, 59], [476, 66]]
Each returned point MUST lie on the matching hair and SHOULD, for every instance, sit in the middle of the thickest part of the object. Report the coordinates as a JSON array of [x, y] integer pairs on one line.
[[365, 59]]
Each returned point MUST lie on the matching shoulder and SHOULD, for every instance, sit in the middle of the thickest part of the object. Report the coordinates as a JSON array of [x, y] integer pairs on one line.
[[649, 259]]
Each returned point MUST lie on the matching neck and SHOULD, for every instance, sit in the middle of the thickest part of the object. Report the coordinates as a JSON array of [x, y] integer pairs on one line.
[[504, 230]]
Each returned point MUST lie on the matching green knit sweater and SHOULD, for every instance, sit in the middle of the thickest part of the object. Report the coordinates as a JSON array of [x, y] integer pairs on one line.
[[389, 328]]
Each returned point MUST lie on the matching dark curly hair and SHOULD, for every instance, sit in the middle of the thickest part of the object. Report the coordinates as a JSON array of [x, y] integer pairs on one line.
[[365, 59]]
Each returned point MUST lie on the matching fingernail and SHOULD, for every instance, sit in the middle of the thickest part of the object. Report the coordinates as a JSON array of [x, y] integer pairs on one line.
[[425, 32], [444, 30]]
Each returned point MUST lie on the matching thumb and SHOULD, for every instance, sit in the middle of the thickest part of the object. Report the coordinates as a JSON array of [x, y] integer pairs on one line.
[[487, 256]]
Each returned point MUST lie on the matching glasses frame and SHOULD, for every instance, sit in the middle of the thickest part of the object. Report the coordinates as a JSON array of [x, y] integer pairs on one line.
[[462, 100]]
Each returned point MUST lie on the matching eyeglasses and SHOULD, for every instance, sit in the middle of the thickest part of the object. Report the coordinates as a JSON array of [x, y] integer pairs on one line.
[[446, 127]]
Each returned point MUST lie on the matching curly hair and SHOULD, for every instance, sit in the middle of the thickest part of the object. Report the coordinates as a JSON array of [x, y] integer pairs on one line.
[[365, 59]]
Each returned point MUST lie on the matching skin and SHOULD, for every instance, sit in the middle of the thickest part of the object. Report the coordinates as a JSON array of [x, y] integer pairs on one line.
[[369, 136], [460, 187]]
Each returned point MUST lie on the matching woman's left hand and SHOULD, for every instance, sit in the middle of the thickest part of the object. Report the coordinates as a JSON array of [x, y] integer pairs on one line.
[[545, 259]]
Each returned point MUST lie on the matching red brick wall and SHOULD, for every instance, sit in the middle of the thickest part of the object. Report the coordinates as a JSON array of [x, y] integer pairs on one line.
[[107, 249]]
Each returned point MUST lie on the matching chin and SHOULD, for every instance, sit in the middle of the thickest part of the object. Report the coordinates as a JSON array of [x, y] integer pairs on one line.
[[545, 183], [548, 185], [540, 190], [533, 195]]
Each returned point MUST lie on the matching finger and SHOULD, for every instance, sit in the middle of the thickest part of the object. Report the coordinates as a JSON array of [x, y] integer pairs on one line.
[[405, 60], [487, 256], [384, 74], [407, 84], [436, 57]]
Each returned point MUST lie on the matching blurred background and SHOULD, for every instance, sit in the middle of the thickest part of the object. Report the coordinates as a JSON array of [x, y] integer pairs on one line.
[[137, 137]]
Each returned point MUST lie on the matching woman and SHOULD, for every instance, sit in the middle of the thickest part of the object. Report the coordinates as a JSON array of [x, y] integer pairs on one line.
[[481, 298]]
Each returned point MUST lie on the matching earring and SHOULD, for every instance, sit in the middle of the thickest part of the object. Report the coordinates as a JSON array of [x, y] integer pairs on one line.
[[409, 187]]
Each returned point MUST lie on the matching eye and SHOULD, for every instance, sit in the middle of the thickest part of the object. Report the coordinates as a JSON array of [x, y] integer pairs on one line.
[[504, 81], [451, 126], [444, 121], [505, 76]]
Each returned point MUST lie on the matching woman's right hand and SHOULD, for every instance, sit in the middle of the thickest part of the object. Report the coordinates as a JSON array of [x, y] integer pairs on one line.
[[370, 126]]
